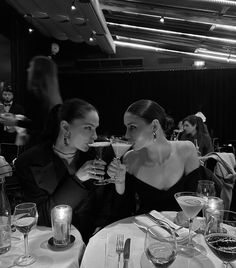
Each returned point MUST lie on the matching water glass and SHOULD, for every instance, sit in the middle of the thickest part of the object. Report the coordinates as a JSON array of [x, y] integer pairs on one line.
[[61, 221], [160, 245]]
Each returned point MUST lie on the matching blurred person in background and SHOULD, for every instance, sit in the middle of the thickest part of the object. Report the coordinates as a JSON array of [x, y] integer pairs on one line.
[[44, 95], [9, 110], [195, 131]]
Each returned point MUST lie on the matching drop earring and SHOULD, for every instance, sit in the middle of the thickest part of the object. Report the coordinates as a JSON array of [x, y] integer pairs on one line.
[[154, 135], [67, 138]]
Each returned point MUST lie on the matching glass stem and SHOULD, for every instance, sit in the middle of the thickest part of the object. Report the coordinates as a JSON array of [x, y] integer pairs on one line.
[[190, 242], [26, 244]]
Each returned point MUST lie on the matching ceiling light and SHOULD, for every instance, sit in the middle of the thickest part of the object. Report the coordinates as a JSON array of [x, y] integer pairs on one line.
[[30, 30], [162, 19], [199, 63], [73, 7], [202, 37]]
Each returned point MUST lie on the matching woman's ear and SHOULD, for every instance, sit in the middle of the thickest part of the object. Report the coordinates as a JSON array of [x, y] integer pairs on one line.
[[64, 125], [155, 125]]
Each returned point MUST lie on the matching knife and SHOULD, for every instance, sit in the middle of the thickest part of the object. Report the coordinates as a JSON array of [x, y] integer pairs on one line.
[[126, 252]]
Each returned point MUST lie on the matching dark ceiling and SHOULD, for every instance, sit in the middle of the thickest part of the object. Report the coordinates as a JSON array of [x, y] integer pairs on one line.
[[164, 33]]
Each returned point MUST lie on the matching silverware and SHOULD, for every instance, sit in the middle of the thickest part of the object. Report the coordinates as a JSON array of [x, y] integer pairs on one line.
[[119, 246], [126, 252], [157, 221]]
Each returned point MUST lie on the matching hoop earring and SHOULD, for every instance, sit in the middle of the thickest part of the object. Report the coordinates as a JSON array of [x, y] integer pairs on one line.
[[67, 139], [154, 135]]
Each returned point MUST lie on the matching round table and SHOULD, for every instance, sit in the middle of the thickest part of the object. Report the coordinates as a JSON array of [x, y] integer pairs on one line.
[[96, 252], [46, 256]]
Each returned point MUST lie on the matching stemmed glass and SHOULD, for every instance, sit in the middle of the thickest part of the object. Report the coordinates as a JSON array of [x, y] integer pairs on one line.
[[160, 245], [220, 242], [99, 146], [25, 217], [206, 188], [191, 203], [120, 146]]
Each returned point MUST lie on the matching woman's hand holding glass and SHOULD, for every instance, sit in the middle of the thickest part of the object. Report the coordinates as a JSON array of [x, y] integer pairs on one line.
[[116, 170], [92, 169]]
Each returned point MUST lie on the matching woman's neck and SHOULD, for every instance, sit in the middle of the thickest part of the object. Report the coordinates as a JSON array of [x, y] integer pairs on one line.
[[159, 151], [64, 151]]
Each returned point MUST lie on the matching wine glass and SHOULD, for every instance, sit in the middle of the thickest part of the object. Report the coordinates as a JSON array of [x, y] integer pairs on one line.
[[197, 147], [191, 203], [160, 245], [205, 188], [222, 243], [25, 217], [99, 146], [120, 146]]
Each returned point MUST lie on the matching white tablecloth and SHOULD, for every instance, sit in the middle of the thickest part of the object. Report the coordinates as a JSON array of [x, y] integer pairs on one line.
[[46, 257], [95, 253]]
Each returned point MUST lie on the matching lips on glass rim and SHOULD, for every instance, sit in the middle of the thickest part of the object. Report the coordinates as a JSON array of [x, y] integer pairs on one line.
[[99, 144]]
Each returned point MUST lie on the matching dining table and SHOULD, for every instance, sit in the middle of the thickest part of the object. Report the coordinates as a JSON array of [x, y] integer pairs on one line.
[[100, 251], [47, 256]]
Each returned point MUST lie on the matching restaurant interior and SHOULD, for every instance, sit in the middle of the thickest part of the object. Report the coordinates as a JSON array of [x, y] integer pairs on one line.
[[180, 54], [136, 55]]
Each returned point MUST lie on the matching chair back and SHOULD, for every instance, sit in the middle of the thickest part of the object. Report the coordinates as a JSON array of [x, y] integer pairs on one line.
[[222, 165]]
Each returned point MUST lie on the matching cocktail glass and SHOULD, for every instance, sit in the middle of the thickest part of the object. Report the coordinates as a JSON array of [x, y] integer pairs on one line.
[[191, 203], [120, 146], [99, 147]]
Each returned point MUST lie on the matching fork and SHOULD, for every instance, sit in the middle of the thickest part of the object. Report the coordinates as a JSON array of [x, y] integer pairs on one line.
[[119, 246]]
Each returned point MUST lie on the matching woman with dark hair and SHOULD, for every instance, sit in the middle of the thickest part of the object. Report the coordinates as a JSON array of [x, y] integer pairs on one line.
[[156, 167], [59, 170], [196, 132]]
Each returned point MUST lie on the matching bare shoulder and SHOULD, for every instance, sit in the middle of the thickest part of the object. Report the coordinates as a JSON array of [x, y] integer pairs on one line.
[[185, 148], [188, 153]]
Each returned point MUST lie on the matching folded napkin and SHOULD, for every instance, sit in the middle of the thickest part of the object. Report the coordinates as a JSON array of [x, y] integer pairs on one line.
[[112, 256], [145, 221]]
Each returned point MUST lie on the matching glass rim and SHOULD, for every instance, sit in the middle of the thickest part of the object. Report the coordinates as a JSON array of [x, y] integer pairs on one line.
[[186, 193], [26, 204], [207, 181], [62, 206]]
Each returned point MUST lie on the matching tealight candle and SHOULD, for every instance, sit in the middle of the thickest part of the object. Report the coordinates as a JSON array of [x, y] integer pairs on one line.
[[214, 208], [61, 219]]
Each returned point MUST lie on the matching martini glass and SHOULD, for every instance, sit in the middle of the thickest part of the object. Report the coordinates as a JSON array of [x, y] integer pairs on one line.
[[191, 203], [99, 147], [120, 146]]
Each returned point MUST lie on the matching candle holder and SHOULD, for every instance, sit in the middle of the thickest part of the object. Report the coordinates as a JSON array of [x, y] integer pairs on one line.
[[61, 220], [214, 208]]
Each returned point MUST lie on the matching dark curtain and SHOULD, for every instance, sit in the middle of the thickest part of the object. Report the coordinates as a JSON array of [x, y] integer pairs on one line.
[[180, 92]]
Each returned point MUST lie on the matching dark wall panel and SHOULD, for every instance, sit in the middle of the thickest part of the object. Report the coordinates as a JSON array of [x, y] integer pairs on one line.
[[180, 92]]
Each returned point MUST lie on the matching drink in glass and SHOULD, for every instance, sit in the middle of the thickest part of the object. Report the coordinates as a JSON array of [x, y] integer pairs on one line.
[[120, 147], [25, 218], [160, 248], [99, 147], [221, 242], [191, 203]]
